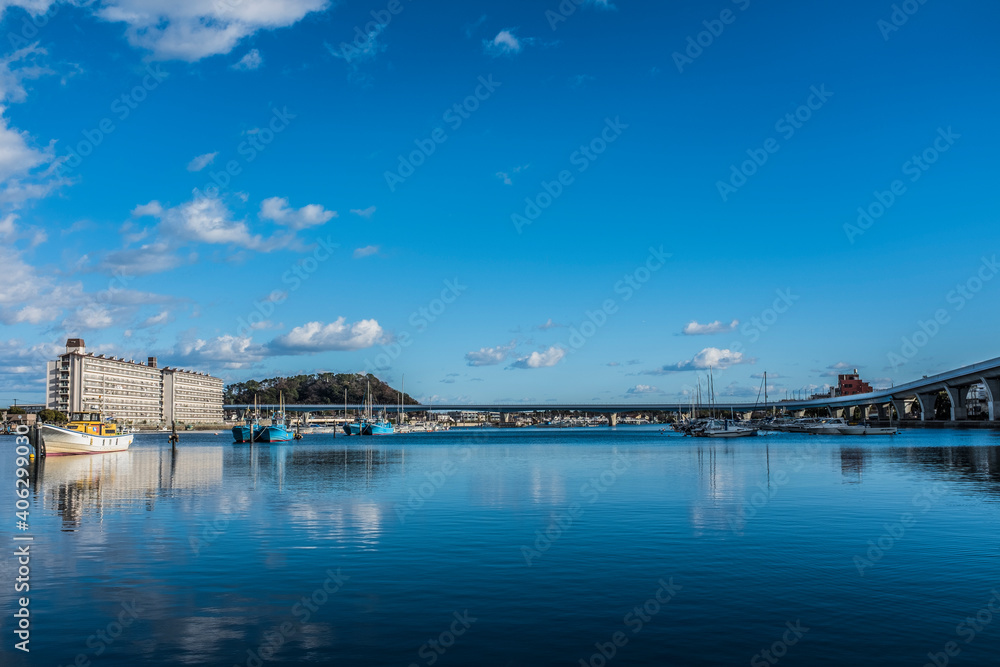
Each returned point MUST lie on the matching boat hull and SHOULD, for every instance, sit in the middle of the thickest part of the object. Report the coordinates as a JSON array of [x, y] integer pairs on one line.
[[241, 434], [379, 428], [727, 434], [868, 430], [354, 429], [62, 442], [274, 434]]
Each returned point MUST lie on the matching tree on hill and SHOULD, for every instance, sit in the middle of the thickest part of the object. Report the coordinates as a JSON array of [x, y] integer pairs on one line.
[[318, 389]]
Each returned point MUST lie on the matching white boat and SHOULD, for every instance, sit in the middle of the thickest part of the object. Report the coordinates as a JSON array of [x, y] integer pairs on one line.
[[724, 429], [827, 427], [862, 429], [86, 433]]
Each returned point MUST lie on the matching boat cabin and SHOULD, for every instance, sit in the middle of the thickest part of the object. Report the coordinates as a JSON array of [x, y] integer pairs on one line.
[[90, 423]]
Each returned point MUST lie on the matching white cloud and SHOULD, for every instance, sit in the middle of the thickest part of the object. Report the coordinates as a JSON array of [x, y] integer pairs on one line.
[[145, 259], [153, 208], [156, 320], [19, 66], [22, 365], [208, 221], [694, 329], [25, 171], [318, 337], [250, 61], [202, 161], [710, 357], [549, 324], [490, 356], [227, 351], [7, 226], [506, 43], [191, 29], [364, 212], [367, 251], [93, 316], [311, 215], [354, 52], [545, 359], [839, 368], [643, 389]]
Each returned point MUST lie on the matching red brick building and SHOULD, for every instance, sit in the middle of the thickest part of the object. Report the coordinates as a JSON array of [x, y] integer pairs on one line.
[[850, 384]]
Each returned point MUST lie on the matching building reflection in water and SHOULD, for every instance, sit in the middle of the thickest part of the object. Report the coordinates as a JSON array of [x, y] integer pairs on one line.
[[89, 486]]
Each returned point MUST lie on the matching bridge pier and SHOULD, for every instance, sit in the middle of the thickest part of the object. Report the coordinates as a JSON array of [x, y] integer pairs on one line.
[[613, 419], [900, 406], [883, 411], [959, 397], [992, 396], [926, 402]]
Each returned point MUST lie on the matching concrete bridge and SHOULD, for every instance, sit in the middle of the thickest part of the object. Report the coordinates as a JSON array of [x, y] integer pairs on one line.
[[905, 400]]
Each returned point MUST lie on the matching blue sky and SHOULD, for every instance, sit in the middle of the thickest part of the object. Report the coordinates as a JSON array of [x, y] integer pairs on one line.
[[502, 201]]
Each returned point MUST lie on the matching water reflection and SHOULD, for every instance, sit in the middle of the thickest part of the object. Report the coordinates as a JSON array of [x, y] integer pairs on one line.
[[79, 487]]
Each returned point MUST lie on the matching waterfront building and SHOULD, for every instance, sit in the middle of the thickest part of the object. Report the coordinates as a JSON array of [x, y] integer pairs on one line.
[[130, 390], [849, 384]]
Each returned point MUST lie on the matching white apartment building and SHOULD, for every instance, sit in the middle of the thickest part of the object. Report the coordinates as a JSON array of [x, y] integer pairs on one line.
[[128, 390]]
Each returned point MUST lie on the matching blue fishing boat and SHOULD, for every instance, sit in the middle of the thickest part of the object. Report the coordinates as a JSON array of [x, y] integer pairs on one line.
[[274, 433], [368, 425], [244, 432], [279, 430]]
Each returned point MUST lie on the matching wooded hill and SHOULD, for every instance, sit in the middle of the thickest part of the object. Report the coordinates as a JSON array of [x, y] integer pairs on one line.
[[322, 388]]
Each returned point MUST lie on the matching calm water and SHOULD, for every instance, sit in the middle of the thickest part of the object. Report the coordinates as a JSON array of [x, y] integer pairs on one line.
[[514, 547]]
